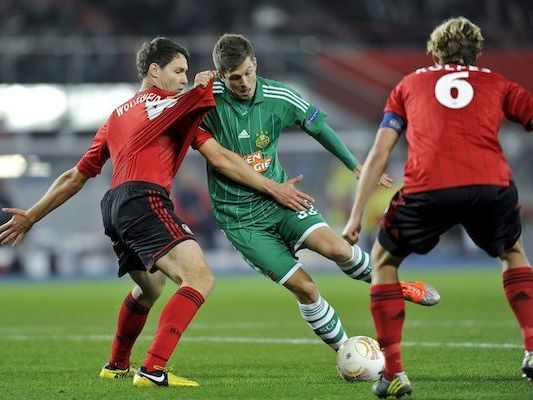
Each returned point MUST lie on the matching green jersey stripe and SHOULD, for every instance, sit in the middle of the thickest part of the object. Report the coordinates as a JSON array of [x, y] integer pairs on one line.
[[282, 89], [281, 97], [297, 99]]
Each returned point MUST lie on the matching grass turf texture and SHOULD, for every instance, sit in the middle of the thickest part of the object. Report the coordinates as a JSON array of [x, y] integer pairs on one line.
[[54, 338]]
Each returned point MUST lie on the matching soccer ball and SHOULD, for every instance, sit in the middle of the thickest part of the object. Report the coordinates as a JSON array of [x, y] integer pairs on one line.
[[360, 359]]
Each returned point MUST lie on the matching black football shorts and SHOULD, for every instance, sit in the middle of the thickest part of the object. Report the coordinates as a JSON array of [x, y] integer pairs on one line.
[[139, 219], [414, 222]]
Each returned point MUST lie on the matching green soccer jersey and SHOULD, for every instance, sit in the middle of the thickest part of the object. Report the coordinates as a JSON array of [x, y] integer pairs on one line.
[[252, 129]]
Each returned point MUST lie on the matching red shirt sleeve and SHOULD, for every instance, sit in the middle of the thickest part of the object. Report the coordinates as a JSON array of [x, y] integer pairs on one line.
[[518, 105], [95, 157], [201, 136], [395, 102]]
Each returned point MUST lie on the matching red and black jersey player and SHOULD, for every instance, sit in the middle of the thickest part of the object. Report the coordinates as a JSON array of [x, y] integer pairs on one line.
[[455, 173], [147, 138]]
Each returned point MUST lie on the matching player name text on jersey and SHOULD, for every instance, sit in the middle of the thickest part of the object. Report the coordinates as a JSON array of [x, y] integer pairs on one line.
[[447, 67], [136, 100]]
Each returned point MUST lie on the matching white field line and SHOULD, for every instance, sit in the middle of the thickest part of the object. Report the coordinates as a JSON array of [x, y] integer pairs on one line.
[[254, 340], [199, 326]]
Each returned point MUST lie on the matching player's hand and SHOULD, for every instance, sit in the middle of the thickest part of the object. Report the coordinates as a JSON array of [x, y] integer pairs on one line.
[[287, 195], [13, 231], [351, 231], [385, 180], [203, 78]]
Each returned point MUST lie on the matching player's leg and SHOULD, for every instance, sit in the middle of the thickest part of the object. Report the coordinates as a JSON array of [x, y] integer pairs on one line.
[[131, 320], [411, 225], [161, 241], [315, 310], [352, 260], [185, 265], [518, 286], [494, 225], [269, 254], [388, 311], [135, 307]]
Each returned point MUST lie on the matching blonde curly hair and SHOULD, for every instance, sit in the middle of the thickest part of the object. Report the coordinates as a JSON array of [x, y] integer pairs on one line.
[[456, 40]]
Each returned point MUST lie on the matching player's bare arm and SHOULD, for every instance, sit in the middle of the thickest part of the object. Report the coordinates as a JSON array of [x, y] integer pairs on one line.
[[385, 180], [63, 188], [335, 145], [371, 174], [232, 165]]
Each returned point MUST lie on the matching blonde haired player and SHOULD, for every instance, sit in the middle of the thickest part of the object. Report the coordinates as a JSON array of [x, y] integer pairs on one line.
[[450, 114]]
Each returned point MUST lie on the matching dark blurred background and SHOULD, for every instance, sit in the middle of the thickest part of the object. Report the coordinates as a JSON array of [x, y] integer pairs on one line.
[[65, 65]]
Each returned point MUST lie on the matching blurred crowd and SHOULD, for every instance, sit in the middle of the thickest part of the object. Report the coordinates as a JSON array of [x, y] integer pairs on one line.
[[101, 36], [76, 41], [389, 22]]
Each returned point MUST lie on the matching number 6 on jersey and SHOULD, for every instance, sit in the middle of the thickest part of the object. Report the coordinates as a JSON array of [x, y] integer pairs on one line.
[[444, 86]]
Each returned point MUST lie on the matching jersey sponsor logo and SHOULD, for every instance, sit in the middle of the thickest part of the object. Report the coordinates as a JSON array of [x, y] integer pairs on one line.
[[261, 139], [136, 100], [244, 134], [155, 108], [257, 161], [313, 116]]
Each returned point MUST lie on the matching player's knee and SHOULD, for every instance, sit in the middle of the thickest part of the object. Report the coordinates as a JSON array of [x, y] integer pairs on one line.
[[200, 278], [306, 292], [515, 256], [208, 281], [149, 297], [380, 256], [155, 292]]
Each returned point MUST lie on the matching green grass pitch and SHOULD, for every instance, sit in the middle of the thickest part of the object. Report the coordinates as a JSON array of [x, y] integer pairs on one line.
[[249, 342]]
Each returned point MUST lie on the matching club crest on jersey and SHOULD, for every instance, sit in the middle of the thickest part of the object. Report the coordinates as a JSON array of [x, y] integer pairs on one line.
[[261, 139], [257, 161]]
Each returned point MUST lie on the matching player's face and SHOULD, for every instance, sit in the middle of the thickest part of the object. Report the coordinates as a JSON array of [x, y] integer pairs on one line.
[[241, 81], [173, 76]]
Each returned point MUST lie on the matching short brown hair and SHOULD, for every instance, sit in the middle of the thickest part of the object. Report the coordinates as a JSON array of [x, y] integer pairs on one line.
[[230, 51], [456, 40], [161, 51]]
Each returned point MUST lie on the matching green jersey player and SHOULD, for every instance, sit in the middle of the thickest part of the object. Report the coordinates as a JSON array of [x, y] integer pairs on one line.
[[250, 114]]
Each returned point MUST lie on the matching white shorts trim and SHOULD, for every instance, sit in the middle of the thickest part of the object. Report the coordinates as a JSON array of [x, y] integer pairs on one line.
[[309, 230], [290, 273]]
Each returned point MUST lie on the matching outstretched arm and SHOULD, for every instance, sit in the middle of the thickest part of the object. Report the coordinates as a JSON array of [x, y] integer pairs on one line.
[[375, 164], [63, 188], [233, 166]]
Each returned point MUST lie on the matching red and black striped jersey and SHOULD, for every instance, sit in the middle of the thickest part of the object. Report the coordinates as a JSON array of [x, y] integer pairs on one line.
[[453, 115], [148, 136]]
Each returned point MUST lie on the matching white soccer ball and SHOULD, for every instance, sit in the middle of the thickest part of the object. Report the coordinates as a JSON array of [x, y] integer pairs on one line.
[[360, 359]]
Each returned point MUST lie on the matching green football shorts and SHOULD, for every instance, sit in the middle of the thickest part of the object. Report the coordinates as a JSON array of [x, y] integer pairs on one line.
[[271, 248]]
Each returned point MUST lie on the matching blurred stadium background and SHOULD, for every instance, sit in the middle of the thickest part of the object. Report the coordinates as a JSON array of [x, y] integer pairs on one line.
[[65, 65]]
